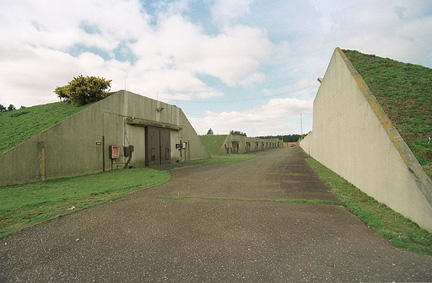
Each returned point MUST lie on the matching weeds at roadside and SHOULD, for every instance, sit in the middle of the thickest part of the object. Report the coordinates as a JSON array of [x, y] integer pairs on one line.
[[401, 231]]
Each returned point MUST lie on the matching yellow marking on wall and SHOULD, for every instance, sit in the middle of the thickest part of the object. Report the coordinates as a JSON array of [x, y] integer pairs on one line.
[[391, 131]]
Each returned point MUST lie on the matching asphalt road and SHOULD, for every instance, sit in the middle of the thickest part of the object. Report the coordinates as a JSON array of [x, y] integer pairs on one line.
[[143, 238]]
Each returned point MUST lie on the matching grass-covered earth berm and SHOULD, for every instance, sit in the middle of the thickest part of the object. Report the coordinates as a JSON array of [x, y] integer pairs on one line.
[[26, 204], [404, 91], [383, 220], [20, 125], [213, 143]]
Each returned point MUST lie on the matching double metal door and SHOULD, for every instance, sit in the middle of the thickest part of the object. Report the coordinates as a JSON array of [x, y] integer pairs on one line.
[[158, 146]]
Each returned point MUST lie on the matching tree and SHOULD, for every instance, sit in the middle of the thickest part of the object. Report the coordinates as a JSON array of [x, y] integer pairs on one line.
[[237, 133], [285, 138], [83, 90], [210, 132], [11, 107], [2, 108]]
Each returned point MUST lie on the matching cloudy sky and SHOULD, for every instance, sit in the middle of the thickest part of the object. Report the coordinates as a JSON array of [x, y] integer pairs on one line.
[[246, 65]]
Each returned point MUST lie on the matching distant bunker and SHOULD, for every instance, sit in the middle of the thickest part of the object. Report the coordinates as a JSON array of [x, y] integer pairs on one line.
[[234, 144], [120, 131]]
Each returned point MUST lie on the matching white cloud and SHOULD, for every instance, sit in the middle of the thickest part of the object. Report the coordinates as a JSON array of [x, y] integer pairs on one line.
[[226, 11], [169, 54], [33, 80], [233, 56], [305, 88], [278, 115], [270, 47]]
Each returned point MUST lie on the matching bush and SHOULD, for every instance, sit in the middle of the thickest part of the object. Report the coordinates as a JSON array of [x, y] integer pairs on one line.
[[84, 90]]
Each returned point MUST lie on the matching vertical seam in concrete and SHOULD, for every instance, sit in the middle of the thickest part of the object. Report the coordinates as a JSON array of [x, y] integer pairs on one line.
[[42, 165]]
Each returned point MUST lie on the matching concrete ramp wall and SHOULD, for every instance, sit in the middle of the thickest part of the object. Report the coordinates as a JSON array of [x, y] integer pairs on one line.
[[353, 136]]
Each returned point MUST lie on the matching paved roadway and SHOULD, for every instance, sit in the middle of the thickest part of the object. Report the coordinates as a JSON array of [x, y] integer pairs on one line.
[[143, 238]]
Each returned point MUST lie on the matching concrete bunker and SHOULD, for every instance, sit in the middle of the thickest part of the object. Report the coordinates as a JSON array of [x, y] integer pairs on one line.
[[122, 130]]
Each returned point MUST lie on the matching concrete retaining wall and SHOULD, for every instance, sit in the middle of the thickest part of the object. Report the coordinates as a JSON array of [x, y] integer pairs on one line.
[[353, 136], [80, 144]]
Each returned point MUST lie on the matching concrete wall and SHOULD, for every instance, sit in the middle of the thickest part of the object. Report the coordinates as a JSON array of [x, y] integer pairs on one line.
[[353, 137], [80, 144], [306, 143], [255, 144]]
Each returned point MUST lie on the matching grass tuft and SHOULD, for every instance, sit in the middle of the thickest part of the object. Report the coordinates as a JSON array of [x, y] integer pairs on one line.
[[216, 159], [383, 220], [251, 199], [286, 174]]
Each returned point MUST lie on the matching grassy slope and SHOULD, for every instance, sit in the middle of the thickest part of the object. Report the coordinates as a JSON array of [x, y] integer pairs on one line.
[[20, 125], [213, 143], [405, 93], [27, 203]]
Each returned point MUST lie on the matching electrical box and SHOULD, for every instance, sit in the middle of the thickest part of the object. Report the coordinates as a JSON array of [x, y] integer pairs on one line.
[[128, 150], [114, 152], [184, 145]]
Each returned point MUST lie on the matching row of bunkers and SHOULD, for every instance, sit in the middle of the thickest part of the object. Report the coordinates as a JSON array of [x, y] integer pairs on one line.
[[121, 131], [128, 130], [233, 144]]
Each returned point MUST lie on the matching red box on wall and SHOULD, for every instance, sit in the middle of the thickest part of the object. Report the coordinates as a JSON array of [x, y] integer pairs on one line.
[[114, 152]]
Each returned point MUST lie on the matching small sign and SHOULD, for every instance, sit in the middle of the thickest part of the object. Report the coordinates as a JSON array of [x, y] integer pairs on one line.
[[98, 143]]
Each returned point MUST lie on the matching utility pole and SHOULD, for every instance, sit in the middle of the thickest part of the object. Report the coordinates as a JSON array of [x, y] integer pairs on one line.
[[301, 124]]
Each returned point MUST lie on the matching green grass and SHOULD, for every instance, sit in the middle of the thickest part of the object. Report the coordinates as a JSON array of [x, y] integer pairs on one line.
[[228, 158], [26, 204], [20, 125], [251, 199], [216, 159], [286, 174], [35, 202], [384, 221], [404, 91], [213, 143]]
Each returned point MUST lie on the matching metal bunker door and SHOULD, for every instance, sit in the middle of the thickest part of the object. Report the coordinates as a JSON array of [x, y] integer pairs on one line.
[[152, 146], [158, 146], [165, 146]]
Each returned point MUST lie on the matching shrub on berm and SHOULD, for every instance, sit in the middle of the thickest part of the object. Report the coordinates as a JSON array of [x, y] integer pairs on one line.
[[83, 90]]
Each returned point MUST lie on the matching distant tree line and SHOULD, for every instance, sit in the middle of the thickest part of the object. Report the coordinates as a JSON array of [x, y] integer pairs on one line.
[[285, 138], [237, 133], [11, 107]]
